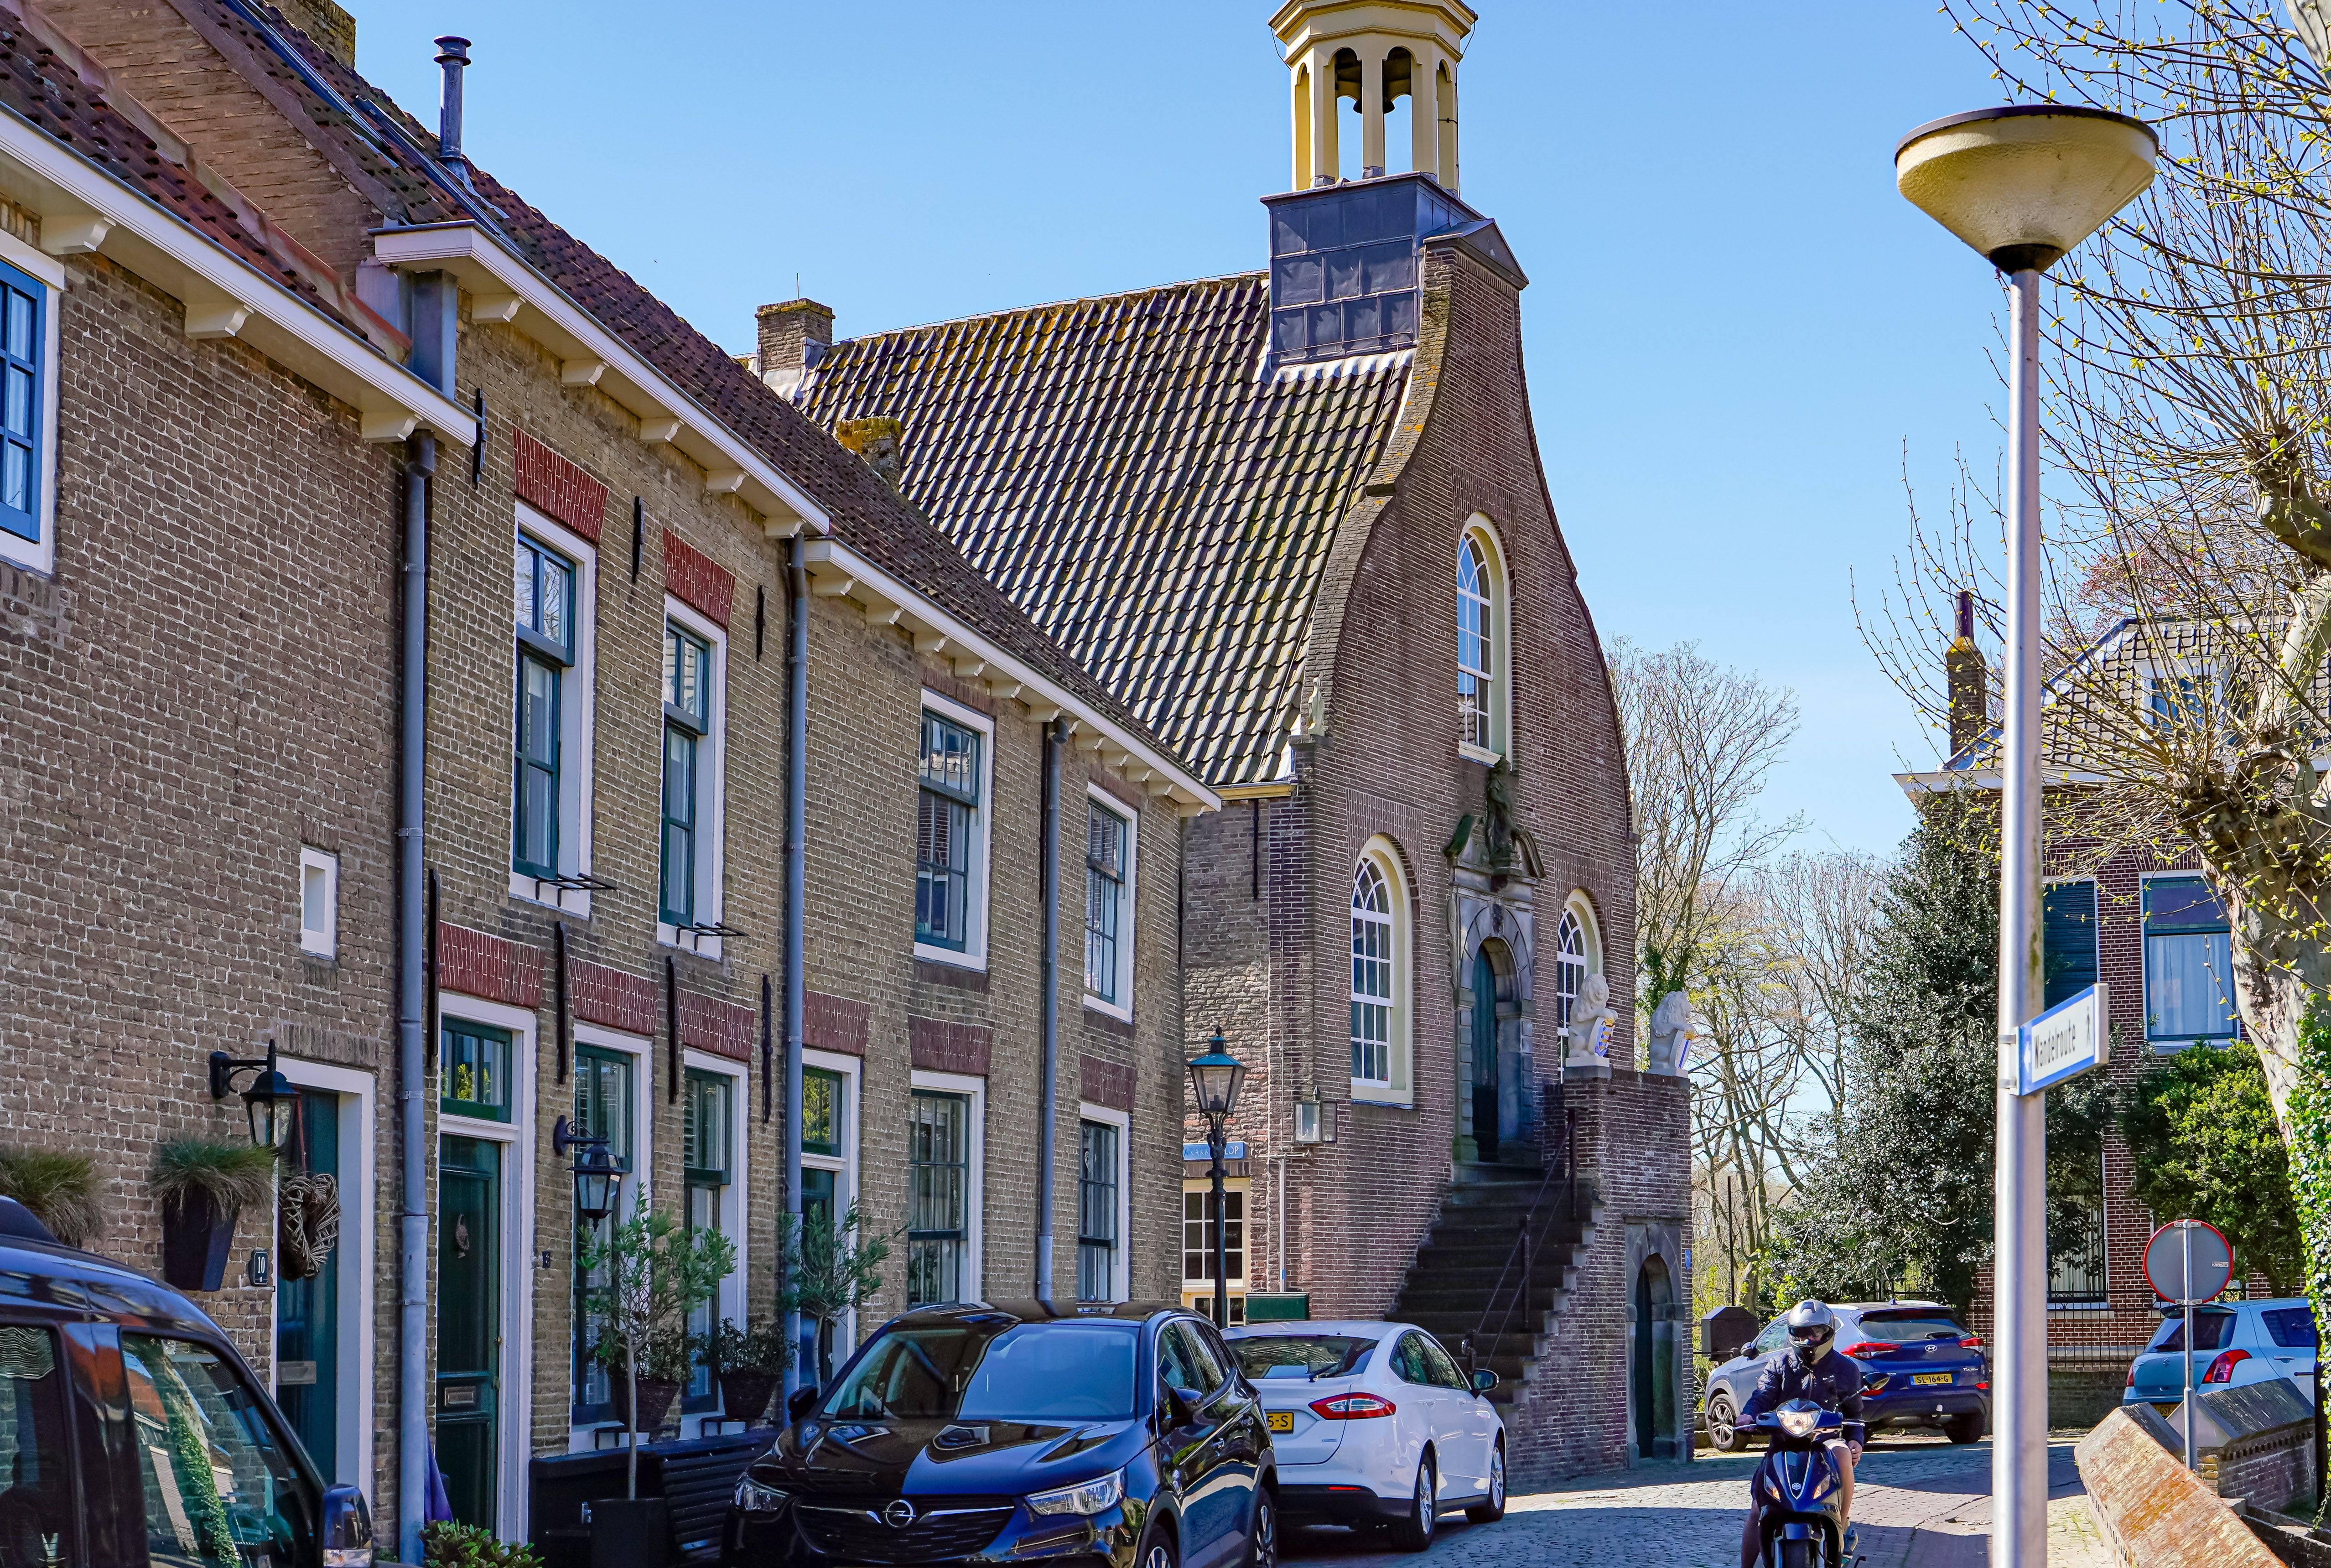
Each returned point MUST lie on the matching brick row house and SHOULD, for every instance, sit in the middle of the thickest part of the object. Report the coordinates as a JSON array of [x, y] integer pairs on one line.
[[414, 642], [2135, 912], [1296, 518]]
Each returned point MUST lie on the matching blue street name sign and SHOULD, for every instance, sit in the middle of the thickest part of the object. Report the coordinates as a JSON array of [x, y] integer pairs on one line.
[[2063, 1043]]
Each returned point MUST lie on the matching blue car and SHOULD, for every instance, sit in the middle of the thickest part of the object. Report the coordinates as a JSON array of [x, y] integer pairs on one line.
[[1918, 1369]]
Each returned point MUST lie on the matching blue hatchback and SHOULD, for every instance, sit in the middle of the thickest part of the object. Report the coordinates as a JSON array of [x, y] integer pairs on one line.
[[1918, 1369]]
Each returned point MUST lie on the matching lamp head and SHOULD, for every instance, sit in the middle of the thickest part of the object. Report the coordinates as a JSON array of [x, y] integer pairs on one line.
[[1215, 1077], [2024, 183], [272, 1106], [597, 1181]]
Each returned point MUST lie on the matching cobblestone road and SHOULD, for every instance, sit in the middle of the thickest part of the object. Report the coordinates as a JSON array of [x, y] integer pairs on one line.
[[1921, 1504]]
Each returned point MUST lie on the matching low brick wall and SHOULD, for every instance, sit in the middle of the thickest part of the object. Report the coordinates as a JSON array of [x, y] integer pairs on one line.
[[2152, 1510]]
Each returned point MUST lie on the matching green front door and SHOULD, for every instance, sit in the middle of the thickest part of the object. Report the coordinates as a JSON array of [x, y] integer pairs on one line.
[[1485, 1056], [307, 1310], [469, 1325]]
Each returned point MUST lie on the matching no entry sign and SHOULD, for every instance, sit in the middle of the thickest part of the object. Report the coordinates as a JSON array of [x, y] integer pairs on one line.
[[2165, 1262]]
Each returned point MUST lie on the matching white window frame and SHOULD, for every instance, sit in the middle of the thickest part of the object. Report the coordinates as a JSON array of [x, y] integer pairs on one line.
[[516, 1138], [320, 942], [1580, 907], [1198, 1294], [844, 1165], [974, 1218], [1398, 1086], [711, 789], [2172, 1046], [1120, 1269], [631, 1193], [1096, 796], [577, 720], [730, 1304], [974, 901], [1480, 529], [359, 1099], [41, 554]]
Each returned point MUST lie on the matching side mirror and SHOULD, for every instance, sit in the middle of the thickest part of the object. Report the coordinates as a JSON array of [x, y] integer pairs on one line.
[[347, 1529], [799, 1403], [1485, 1381], [1182, 1405]]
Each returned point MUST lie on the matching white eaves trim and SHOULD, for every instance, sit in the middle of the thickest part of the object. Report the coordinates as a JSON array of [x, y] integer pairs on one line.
[[837, 570], [504, 287], [1949, 780], [84, 208]]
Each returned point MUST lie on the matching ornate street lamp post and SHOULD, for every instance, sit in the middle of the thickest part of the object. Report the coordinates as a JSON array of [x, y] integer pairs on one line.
[[2022, 184], [1217, 1077]]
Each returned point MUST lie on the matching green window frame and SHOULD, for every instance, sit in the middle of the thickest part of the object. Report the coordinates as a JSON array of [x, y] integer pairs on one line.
[[687, 720], [605, 1085], [544, 581], [24, 383], [1107, 839], [473, 1070], [2067, 943], [947, 823], [822, 1112], [939, 1196], [707, 1102], [1098, 1180]]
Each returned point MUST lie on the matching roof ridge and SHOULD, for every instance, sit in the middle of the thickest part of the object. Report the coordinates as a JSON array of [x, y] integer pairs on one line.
[[1051, 305]]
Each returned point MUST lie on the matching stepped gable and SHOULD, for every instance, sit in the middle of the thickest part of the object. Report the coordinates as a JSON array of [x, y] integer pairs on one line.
[[404, 176], [1130, 469]]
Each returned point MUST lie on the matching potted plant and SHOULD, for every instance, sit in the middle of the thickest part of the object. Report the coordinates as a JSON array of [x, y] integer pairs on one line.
[[655, 1272], [832, 1270], [60, 1190], [205, 1185], [748, 1364]]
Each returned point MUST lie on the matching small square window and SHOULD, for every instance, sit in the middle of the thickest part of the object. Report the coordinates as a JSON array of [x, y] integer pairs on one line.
[[319, 903], [473, 1068]]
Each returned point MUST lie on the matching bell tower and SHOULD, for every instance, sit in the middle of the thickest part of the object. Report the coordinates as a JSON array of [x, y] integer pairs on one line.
[[1373, 52]]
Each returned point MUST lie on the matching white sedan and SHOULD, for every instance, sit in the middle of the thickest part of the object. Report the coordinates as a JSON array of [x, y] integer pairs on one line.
[[1373, 1424]]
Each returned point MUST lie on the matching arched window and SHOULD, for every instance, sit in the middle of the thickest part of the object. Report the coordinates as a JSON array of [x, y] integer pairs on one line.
[[1380, 976], [1569, 967], [1484, 662]]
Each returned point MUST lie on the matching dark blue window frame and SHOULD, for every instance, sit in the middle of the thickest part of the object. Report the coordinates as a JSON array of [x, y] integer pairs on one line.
[[2068, 940], [23, 387]]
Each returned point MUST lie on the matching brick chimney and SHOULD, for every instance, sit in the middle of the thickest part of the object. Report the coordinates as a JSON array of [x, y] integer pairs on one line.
[[794, 334], [1969, 682], [327, 25]]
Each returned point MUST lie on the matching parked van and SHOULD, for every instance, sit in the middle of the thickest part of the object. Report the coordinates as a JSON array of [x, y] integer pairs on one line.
[[131, 1432]]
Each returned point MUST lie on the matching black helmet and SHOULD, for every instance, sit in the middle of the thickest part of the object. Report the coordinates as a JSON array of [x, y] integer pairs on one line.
[[1811, 1328]]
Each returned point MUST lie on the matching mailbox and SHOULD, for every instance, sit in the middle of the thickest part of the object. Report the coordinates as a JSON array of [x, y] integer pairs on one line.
[[1726, 1332]]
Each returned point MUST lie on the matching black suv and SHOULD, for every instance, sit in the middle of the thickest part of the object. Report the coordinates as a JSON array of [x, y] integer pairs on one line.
[[131, 1432], [1124, 1435]]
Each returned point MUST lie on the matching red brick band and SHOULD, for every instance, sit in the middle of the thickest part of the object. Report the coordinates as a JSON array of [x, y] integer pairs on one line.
[[1105, 1083], [942, 1047], [558, 488], [479, 963], [722, 1027], [694, 578], [611, 997], [834, 1023]]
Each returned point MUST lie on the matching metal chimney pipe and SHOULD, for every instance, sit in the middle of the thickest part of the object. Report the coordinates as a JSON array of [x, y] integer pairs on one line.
[[452, 55]]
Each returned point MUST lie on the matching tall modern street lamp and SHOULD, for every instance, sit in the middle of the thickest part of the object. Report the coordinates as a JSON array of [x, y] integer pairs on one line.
[[2022, 184], [1215, 1079]]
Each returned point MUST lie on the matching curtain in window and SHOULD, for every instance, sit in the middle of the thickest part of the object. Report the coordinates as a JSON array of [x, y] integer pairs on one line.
[[1372, 975], [2188, 963]]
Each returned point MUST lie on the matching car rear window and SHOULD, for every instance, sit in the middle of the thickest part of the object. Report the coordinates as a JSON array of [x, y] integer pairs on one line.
[[2291, 1327], [2210, 1332], [1908, 1327], [1299, 1354]]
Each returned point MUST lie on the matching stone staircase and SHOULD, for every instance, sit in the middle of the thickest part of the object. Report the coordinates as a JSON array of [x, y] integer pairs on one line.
[[1496, 1266]]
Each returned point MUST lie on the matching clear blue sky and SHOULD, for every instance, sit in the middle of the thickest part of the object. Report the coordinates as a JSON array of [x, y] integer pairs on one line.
[[1734, 324]]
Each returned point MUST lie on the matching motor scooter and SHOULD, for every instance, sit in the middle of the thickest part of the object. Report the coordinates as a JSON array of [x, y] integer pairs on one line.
[[1802, 1521]]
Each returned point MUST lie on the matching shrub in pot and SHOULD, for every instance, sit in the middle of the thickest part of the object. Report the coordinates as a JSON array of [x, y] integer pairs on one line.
[[652, 1272], [205, 1185], [749, 1363], [644, 1393], [60, 1189]]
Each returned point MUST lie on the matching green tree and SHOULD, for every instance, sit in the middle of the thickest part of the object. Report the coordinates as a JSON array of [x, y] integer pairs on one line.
[[1899, 1194], [657, 1271], [2200, 1129]]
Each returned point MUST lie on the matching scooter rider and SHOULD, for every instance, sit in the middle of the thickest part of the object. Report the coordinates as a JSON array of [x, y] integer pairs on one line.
[[1810, 1370]]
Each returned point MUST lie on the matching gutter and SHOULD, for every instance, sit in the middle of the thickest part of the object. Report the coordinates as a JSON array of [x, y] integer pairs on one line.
[[796, 850], [1048, 972], [411, 1053]]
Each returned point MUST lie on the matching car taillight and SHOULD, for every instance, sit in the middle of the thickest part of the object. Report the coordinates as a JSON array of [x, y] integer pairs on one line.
[[1972, 1342], [2222, 1369], [2132, 1375], [1982, 1386], [1867, 1348], [1351, 1407]]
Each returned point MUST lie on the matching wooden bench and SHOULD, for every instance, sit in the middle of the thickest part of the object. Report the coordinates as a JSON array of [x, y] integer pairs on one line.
[[695, 1479]]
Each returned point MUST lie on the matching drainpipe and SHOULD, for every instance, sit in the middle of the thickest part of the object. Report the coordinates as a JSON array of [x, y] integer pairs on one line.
[[1049, 979], [411, 1063], [796, 835]]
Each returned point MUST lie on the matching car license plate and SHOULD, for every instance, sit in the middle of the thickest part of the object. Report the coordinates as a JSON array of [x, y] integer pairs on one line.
[[1931, 1377], [1282, 1420]]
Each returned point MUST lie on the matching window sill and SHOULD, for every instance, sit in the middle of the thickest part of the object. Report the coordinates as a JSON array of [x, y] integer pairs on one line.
[[1472, 753], [1382, 1096], [476, 1127], [950, 957], [702, 946], [528, 889], [36, 557], [1109, 1009]]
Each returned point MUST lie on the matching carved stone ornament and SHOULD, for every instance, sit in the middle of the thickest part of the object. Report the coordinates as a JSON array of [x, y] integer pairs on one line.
[[1590, 1022], [1672, 1033]]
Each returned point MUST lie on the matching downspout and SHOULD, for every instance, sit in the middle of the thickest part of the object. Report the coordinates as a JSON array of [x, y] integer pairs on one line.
[[412, 1064], [1049, 980], [796, 835]]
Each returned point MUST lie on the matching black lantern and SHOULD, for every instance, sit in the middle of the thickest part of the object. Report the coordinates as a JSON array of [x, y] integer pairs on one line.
[[271, 1104], [597, 1178], [1216, 1077]]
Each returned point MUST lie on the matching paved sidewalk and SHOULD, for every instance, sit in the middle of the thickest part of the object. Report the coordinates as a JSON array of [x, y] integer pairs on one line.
[[1921, 1504]]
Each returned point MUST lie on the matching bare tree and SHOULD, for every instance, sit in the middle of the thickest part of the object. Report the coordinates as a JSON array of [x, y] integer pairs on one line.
[[1823, 906]]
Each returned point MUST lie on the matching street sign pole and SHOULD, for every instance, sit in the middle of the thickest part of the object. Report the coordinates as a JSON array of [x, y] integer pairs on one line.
[[2185, 1247], [2188, 1262]]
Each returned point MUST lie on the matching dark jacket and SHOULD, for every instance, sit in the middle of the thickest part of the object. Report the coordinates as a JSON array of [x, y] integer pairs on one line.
[[1832, 1382]]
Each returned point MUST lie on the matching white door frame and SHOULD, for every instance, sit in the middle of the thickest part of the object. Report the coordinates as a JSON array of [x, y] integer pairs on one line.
[[359, 1094]]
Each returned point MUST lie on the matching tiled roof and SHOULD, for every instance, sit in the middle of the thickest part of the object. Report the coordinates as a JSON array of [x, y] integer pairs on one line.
[[868, 515], [1126, 470]]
